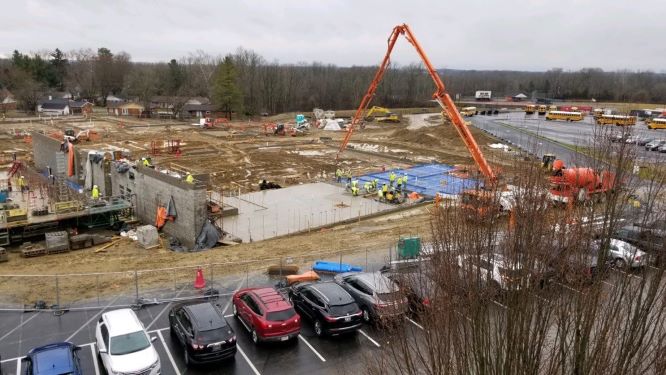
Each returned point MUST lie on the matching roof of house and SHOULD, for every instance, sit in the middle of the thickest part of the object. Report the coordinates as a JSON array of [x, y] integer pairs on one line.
[[57, 104], [521, 95], [198, 107], [198, 100], [78, 103]]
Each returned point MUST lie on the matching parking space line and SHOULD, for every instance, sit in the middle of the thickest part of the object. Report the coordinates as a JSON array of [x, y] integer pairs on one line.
[[607, 283], [232, 297], [229, 315], [163, 310], [414, 323], [173, 363], [91, 319], [18, 366], [19, 326], [499, 304], [254, 369], [566, 286], [311, 348], [629, 274], [370, 338], [654, 268], [94, 358]]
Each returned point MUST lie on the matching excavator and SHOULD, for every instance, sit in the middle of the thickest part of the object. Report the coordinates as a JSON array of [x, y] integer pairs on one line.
[[441, 97], [381, 114]]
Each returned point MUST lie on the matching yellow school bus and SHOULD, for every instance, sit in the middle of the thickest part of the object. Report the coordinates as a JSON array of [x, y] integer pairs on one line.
[[656, 123], [597, 112], [530, 109], [542, 110], [564, 115], [618, 120]]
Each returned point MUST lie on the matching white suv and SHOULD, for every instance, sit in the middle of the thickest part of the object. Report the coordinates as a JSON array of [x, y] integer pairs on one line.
[[124, 346]]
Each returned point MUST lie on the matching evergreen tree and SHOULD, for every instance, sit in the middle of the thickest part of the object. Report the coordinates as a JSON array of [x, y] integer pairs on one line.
[[227, 97]]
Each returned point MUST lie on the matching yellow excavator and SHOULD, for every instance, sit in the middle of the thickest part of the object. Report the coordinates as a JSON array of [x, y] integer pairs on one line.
[[381, 114]]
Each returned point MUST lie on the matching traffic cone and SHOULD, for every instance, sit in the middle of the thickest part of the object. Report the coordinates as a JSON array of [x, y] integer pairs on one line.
[[199, 281]]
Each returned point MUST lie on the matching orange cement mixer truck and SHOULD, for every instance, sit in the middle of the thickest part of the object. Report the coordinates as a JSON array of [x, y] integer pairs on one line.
[[570, 185]]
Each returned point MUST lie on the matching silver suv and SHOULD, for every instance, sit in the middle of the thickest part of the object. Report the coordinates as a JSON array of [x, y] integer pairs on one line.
[[378, 297]]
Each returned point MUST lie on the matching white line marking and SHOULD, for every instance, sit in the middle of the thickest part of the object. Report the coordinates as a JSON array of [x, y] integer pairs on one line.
[[163, 310], [229, 315], [654, 268], [607, 283], [568, 287], [369, 338], [499, 304], [254, 369], [19, 326], [173, 363], [414, 323], [94, 358], [91, 319], [311, 348], [18, 366], [232, 297]]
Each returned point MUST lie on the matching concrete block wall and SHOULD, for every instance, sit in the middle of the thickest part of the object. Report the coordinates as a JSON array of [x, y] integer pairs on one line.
[[45, 149], [153, 188]]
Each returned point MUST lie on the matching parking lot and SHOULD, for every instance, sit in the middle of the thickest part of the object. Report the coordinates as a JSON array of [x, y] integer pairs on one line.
[[19, 332]]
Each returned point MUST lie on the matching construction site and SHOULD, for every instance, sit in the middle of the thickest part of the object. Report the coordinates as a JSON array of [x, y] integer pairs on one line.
[[100, 210]]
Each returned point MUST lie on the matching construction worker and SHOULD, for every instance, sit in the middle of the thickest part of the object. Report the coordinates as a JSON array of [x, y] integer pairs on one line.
[[338, 175], [380, 195], [374, 183], [399, 183], [389, 196], [146, 162], [349, 176], [404, 180], [367, 186], [354, 190], [21, 183], [384, 189], [391, 178], [95, 192], [189, 178]]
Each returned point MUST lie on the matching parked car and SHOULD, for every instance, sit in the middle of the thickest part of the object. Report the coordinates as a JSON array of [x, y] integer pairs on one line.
[[378, 297], [418, 286], [575, 268], [645, 237], [504, 274], [203, 333], [330, 308], [662, 148], [266, 314], [53, 359], [642, 141], [124, 346], [655, 144], [622, 254]]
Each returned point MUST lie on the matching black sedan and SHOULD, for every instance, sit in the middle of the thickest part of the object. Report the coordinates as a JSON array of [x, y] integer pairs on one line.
[[331, 309], [204, 334]]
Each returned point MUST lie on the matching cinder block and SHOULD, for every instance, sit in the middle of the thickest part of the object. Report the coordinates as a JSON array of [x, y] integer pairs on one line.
[[57, 241], [98, 239], [81, 241], [147, 236]]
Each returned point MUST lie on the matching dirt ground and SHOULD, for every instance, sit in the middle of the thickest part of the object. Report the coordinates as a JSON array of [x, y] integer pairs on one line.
[[237, 157]]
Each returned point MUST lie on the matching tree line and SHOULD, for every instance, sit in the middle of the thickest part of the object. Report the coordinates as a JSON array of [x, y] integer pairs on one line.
[[246, 83]]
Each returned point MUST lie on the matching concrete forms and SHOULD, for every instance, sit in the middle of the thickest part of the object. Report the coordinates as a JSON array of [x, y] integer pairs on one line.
[[426, 179], [271, 213], [149, 189]]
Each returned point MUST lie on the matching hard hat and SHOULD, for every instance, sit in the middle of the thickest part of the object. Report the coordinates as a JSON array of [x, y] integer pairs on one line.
[[188, 173], [22, 177], [94, 186]]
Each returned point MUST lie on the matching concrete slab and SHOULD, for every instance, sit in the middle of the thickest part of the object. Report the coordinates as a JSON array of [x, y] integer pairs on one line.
[[271, 213]]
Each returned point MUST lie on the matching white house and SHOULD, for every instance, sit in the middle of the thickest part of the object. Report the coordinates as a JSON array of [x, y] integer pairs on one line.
[[54, 107]]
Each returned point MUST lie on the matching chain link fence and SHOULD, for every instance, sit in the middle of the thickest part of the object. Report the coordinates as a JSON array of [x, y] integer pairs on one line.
[[76, 291]]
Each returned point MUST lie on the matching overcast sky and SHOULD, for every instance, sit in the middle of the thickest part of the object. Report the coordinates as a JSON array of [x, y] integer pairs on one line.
[[469, 34]]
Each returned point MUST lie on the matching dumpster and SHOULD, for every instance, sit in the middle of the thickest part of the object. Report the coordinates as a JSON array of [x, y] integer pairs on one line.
[[409, 247]]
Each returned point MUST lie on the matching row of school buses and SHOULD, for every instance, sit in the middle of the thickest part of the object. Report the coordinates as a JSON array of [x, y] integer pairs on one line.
[[552, 113]]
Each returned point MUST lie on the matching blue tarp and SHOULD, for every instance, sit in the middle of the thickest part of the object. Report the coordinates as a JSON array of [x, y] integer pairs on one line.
[[426, 179]]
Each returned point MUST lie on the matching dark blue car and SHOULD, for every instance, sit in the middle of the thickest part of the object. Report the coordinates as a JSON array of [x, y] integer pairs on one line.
[[54, 359]]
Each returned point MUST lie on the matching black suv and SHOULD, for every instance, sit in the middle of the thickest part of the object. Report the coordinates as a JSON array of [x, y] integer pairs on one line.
[[204, 334], [331, 309]]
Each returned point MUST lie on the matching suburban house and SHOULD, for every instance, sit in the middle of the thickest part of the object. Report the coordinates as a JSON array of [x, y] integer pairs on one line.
[[8, 102], [79, 107], [54, 107], [114, 99], [198, 110], [519, 98], [163, 106], [169, 106], [124, 109]]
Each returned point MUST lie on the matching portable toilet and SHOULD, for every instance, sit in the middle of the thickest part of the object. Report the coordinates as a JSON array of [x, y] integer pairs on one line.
[[409, 247]]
